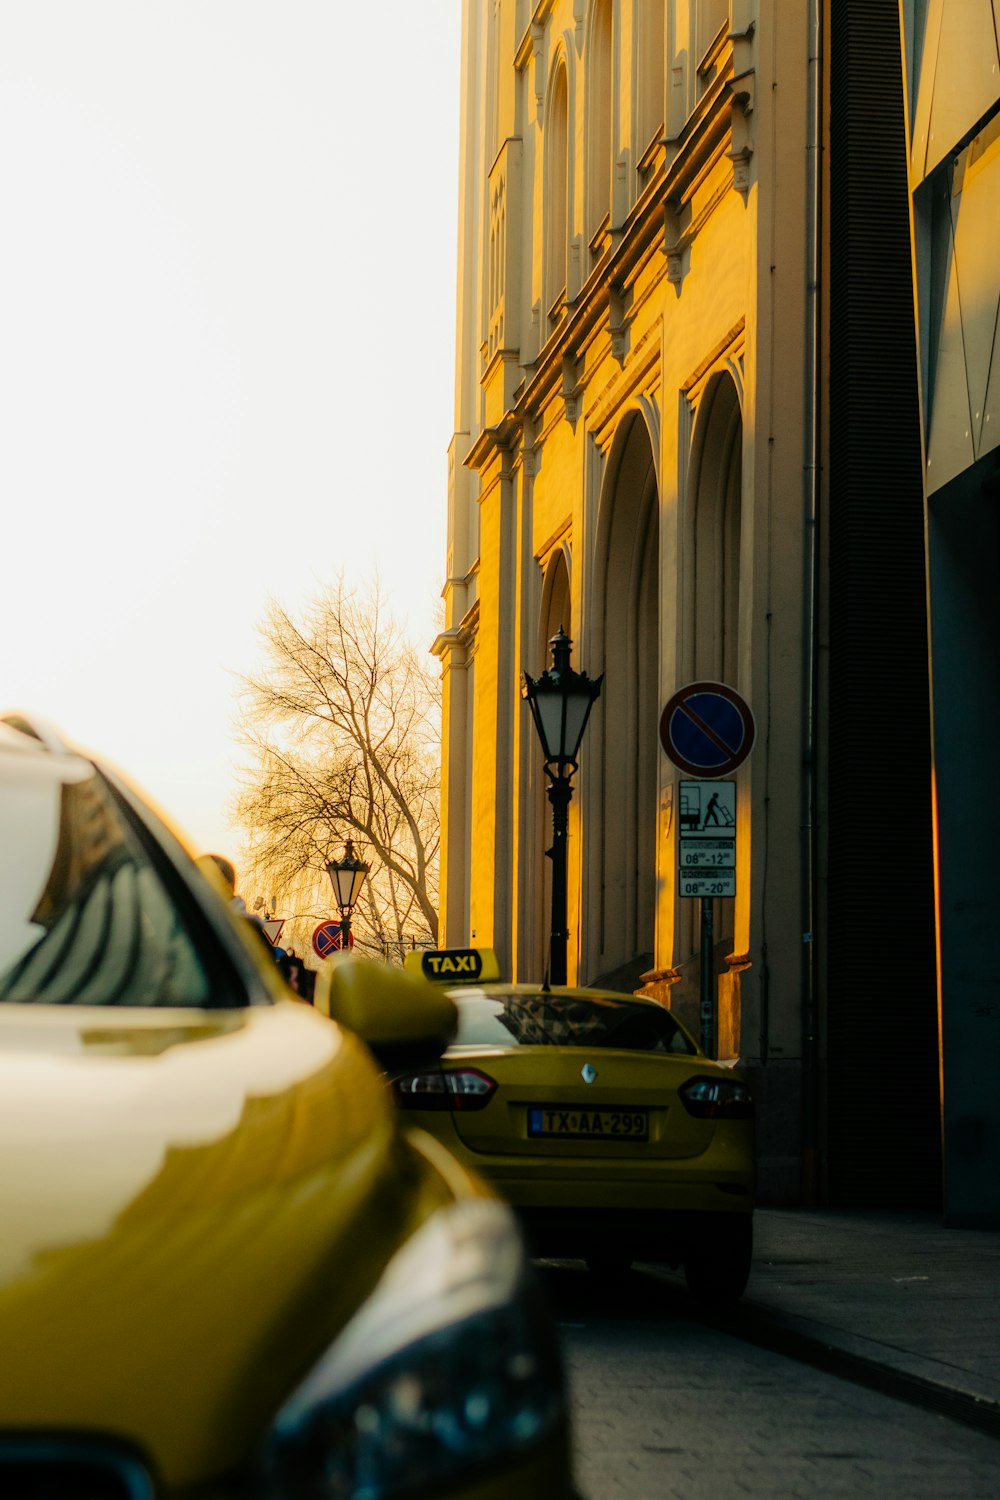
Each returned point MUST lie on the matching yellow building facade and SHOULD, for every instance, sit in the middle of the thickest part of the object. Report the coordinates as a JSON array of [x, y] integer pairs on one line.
[[636, 459], [726, 409]]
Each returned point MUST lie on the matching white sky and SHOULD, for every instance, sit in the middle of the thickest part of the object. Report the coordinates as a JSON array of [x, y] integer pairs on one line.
[[227, 294]]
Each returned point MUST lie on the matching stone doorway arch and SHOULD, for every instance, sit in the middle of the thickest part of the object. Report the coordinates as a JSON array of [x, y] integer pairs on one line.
[[713, 650], [622, 855], [713, 535]]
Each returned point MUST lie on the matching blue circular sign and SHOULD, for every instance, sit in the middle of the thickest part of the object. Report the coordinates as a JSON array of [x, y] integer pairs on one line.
[[707, 729]]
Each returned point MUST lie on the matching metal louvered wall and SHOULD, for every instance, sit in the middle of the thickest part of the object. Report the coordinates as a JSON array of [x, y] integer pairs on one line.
[[882, 1049]]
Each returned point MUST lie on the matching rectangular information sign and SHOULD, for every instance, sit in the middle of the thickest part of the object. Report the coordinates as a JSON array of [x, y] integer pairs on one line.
[[706, 843], [708, 809], [707, 854], [707, 882]]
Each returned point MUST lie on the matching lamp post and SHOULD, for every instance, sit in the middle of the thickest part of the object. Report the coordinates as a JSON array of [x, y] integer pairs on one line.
[[560, 702], [347, 876]]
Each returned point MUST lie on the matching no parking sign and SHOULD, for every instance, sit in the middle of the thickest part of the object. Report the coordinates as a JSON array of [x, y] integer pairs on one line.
[[707, 729], [328, 938]]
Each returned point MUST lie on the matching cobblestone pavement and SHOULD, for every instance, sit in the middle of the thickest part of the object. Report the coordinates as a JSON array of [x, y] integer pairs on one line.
[[665, 1407]]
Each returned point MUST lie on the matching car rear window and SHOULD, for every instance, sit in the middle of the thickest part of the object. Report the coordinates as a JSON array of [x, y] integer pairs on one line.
[[86, 916], [538, 1020]]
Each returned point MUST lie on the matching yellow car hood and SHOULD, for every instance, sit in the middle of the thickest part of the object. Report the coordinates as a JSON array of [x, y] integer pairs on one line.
[[192, 1203]]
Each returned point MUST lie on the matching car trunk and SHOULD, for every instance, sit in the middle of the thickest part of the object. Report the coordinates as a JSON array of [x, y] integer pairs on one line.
[[543, 1104]]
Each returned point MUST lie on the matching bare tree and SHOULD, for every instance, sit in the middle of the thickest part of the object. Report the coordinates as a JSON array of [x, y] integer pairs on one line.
[[344, 726]]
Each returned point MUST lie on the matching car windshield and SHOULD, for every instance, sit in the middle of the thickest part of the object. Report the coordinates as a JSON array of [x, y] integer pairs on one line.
[[85, 916], [543, 1020]]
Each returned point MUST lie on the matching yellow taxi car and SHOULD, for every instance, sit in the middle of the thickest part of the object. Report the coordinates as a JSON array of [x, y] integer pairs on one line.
[[598, 1117], [227, 1269]]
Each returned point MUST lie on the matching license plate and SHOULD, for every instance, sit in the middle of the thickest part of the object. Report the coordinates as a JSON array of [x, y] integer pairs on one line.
[[592, 1124]]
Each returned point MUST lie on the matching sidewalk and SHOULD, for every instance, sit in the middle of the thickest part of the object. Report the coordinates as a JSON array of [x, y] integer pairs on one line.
[[914, 1304]]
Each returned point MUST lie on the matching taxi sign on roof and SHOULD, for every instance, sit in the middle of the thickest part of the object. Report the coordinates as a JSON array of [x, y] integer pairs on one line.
[[454, 965]]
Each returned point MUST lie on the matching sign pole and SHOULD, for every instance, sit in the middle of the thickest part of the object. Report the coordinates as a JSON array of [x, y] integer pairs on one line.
[[707, 966], [707, 730]]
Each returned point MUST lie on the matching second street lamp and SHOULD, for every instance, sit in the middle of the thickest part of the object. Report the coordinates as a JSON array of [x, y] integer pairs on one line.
[[347, 876], [560, 702]]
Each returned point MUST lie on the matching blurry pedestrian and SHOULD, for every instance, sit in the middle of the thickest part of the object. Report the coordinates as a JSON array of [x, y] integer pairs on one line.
[[228, 873]]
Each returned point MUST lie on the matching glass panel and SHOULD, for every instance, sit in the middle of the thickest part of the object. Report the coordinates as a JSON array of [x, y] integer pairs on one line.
[[550, 715], [965, 77], [87, 919], [347, 884], [537, 1020], [577, 709]]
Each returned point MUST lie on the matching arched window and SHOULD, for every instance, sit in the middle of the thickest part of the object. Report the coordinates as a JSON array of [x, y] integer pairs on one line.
[[717, 524], [651, 105], [713, 577], [555, 613], [600, 109], [712, 15], [493, 85], [497, 268], [556, 196], [621, 927]]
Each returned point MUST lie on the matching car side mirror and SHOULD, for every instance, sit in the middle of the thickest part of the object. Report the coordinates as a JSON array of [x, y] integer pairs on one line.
[[403, 1019]]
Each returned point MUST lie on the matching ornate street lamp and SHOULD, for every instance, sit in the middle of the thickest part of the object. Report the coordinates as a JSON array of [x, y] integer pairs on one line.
[[347, 876], [560, 702]]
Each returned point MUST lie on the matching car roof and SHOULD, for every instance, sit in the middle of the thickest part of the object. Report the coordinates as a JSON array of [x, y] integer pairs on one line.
[[555, 991]]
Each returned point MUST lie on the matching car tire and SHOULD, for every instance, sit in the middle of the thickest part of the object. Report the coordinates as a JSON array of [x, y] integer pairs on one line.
[[717, 1266]]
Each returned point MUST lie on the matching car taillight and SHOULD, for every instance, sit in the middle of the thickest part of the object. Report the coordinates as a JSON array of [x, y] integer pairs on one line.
[[716, 1099], [465, 1088]]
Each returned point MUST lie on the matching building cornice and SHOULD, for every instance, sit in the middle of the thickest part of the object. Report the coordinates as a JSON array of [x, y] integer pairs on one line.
[[536, 24], [651, 227], [453, 647]]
